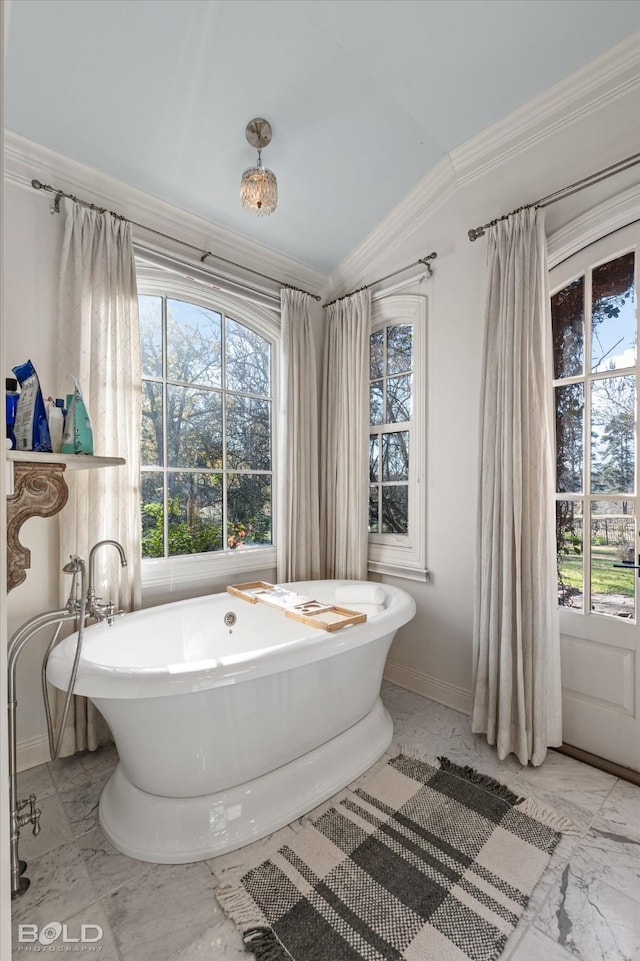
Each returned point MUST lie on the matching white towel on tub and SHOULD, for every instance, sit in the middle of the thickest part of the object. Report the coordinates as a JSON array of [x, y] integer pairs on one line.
[[369, 595], [360, 608]]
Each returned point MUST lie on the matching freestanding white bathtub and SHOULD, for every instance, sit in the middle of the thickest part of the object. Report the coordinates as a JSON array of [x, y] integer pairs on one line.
[[226, 733]]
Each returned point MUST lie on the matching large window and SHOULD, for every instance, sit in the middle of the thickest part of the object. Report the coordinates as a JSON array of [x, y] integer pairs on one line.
[[207, 438], [397, 535], [594, 346]]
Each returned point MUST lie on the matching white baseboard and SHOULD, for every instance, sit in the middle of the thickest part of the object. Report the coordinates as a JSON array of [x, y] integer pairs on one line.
[[32, 751], [432, 687]]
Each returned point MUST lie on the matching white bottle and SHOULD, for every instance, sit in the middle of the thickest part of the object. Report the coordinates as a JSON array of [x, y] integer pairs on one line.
[[55, 417]]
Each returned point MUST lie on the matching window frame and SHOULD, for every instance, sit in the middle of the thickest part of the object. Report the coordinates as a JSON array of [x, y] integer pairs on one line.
[[585, 622], [193, 571], [404, 555]]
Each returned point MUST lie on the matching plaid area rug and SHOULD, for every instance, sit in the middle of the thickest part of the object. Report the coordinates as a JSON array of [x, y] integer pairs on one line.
[[420, 862]]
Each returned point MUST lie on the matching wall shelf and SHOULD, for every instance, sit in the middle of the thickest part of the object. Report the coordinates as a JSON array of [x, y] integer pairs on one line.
[[71, 461], [37, 488]]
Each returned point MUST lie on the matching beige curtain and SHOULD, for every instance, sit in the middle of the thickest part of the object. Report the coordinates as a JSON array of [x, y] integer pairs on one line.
[[99, 343], [517, 696], [298, 506], [344, 487]]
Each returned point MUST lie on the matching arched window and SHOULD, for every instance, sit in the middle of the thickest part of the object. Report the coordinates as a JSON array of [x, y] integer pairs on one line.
[[207, 442]]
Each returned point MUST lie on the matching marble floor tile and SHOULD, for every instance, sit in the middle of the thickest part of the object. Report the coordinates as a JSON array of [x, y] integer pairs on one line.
[[67, 771], [620, 813], [221, 942], [38, 781], [610, 858], [105, 758], [164, 911], [107, 867], [54, 830], [473, 750], [60, 887], [405, 706], [570, 787], [590, 919], [81, 800], [94, 941], [560, 858], [536, 946]]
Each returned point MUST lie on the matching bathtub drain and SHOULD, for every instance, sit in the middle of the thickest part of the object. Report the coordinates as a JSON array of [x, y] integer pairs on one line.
[[230, 618]]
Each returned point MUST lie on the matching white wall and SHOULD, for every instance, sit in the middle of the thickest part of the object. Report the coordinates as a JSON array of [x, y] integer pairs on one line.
[[558, 140], [32, 255]]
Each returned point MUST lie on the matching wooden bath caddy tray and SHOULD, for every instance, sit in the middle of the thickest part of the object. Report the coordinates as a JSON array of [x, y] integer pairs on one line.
[[326, 617]]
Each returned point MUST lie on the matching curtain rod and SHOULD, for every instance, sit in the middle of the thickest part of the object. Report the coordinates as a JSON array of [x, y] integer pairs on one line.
[[423, 260], [59, 194], [594, 178]]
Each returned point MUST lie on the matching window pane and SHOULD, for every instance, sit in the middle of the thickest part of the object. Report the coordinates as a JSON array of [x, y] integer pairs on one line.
[[569, 438], [152, 507], [399, 399], [376, 354], [374, 457], [247, 359], [150, 310], [613, 536], [193, 344], [195, 512], [613, 315], [569, 547], [395, 509], [249, 510], [613, 459], [151, 430], [376, 402], [567, 314], [194, 427], [399, 348], [373, 510], [395, 456], [248, 433]]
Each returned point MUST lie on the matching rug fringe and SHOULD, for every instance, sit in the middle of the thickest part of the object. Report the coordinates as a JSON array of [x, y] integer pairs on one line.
[[484, 781], [239, 905], [548, 817], [264, 945]]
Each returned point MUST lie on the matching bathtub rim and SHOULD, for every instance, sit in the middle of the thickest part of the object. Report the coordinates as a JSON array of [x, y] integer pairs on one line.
[[97, 680]]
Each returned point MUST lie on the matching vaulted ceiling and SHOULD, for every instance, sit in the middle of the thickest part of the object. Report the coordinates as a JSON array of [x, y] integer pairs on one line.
[[364, 96]]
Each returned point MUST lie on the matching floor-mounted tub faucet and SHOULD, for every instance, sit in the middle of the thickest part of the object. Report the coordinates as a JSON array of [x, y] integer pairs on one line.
[[24, 812], [96, 608]]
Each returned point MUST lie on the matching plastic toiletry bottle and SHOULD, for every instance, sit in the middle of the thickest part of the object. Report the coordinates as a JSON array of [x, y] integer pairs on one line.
[[55, 416], [11, 385]]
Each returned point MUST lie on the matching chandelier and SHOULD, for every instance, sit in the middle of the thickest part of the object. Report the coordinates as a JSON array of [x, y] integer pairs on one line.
[[259, 187]]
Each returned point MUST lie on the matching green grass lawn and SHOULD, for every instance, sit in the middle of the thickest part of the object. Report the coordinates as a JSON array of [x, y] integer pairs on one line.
[[605, 579]]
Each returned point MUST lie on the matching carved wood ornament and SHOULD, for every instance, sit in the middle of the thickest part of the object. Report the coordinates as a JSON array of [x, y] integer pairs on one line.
[[40, 490]]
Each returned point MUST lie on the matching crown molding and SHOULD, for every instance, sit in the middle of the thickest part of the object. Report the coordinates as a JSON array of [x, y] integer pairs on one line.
[[608, 78], [613, 214], [612, 75], [25, 160]]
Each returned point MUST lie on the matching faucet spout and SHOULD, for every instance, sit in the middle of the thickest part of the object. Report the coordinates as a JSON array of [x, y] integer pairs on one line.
[[97, 610]]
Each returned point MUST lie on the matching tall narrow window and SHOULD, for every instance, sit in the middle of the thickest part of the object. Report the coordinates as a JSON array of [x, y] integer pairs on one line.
[[595, 371], [397, 535], [206, 445]]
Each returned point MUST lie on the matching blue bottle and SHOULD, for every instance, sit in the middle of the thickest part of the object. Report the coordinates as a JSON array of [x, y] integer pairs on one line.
[[11, 385]]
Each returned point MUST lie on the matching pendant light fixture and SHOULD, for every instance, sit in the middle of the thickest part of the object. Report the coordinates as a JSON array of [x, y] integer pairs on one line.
[[259, 187]]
